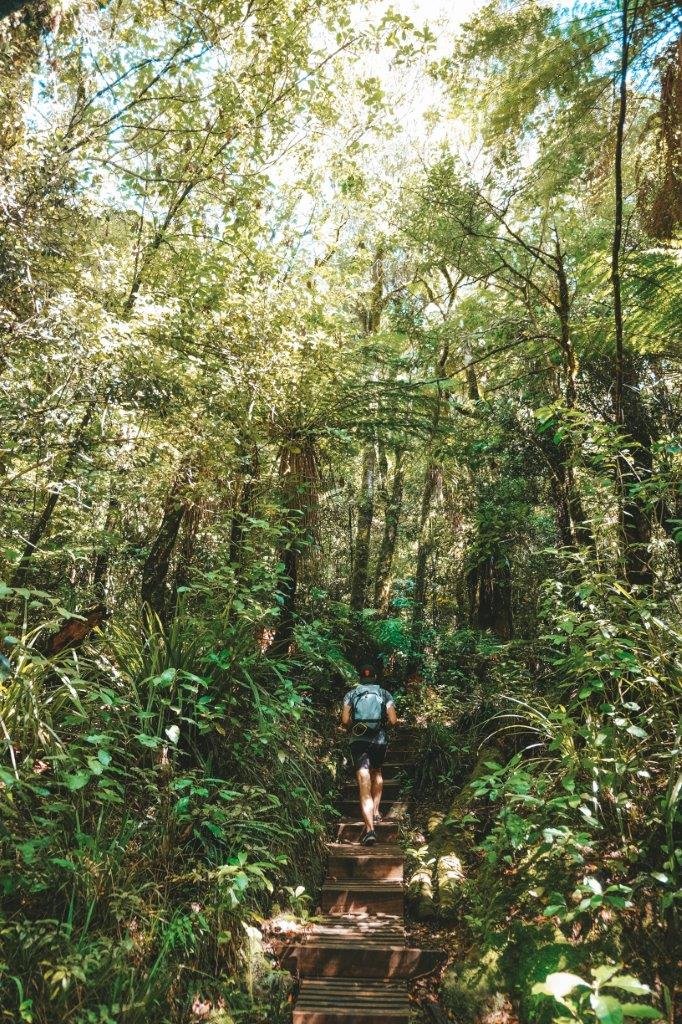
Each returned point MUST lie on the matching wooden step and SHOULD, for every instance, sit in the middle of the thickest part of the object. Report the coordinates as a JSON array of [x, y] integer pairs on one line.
[[351, 830], [383, 928], [356, 947], [341, 1001], [381, 862], [400, 754], [392, 769], [399, 740], [346, 960], [360, 897]]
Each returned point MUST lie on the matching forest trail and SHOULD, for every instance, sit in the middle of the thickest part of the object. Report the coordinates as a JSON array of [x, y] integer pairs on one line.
[[355, 962]]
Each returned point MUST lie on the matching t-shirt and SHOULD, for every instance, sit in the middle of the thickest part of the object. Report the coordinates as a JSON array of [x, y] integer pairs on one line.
[[386, 701]]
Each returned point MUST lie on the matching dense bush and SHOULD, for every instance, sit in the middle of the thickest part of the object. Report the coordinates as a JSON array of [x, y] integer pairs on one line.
[[571, 811], [165, 787]]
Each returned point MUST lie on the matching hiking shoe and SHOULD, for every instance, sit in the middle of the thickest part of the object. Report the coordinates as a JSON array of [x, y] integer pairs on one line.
[[369, 839]]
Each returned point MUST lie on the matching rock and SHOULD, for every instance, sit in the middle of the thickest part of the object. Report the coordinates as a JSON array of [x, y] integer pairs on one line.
[[471, 990]]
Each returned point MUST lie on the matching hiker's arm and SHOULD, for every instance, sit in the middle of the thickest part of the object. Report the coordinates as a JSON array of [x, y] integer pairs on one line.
[[391, 713], [345, 716]]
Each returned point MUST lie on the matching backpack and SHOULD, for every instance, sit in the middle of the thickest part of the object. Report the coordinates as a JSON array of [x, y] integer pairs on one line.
[[368, 708]]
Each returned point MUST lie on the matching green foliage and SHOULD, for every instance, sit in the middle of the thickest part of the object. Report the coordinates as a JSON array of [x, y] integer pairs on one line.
[[309, 352], [142, 835], [595, 1000]]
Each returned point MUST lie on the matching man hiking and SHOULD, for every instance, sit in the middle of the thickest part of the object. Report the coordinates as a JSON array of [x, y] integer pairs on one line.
[[367, 710]]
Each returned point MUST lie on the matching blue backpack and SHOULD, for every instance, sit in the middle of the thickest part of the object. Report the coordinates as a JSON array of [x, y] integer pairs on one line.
[[367, 702]]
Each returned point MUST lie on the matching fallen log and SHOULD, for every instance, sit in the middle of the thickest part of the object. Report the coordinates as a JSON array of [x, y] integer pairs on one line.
[[75, 629], [420, 893], [450, 876]]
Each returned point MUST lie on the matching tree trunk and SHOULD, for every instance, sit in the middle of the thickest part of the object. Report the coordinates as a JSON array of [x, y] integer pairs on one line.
[[287, 589], [40, 525], [574, 529], [489, 584], [363, 533], [157, 564], [572, 521], [243, 508], [432, 480], [186, 551], [634, 468], [370, 318], [382, 585], [626, 36], [298, 477], [100, 570]]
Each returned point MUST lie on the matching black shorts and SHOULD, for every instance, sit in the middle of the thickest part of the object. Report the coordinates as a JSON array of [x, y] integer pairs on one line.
[[368, 753]]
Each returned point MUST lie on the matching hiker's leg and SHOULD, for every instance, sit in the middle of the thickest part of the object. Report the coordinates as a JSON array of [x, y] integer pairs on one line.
[[366, 802], [377, 783]]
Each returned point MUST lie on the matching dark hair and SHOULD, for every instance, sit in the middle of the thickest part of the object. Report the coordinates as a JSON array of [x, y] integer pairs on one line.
[[368, 670]]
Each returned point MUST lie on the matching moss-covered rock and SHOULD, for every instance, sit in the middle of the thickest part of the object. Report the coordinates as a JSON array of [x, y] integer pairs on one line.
[[450, 877], [472, 989], [435, 820], [420, 894]]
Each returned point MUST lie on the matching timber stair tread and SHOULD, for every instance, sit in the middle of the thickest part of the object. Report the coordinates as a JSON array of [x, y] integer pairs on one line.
[[382, 926], [354, 960], [319, 989], [363, 885], [343, 997]]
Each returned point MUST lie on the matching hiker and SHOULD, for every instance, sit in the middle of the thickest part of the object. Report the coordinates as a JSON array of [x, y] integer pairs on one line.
[[367, 710]]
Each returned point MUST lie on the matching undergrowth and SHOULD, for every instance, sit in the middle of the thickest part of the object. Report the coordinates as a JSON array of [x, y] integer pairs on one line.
[[163, 790], [552, 769]]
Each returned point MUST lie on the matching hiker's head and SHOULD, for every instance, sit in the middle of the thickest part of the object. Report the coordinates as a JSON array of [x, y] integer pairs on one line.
[[368, 672]]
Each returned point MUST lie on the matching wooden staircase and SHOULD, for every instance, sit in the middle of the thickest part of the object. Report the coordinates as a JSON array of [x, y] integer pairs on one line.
[[354, 963]]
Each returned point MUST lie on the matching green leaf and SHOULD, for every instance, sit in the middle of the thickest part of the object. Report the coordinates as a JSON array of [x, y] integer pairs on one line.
[[603, 972], [593, 884], [559, 984], [77, 780], [61, 862], [607, 1009], [640, 1011], [166, 677], [635, 730], [628, 983], [104, 757], [148, 741]]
